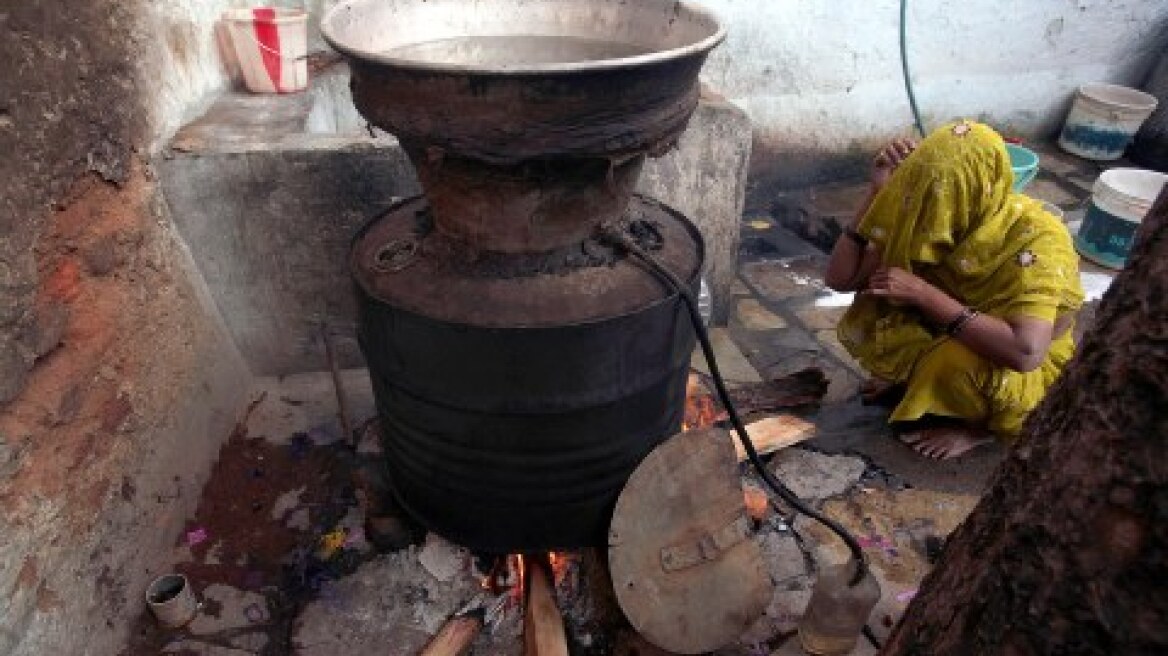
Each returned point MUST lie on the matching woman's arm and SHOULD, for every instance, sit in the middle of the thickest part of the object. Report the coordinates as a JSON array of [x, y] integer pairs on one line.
[[1018, 343], [851, 261]]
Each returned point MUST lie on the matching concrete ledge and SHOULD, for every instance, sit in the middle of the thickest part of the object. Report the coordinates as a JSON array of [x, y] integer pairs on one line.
[[705, 179], [268, 210]]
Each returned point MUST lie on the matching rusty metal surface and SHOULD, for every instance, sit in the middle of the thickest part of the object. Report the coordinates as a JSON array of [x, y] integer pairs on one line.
[[537, 128], [437, 280], [510, 119], [529, 207]]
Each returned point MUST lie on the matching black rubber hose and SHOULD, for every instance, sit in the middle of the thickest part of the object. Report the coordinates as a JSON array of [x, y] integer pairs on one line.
[[619, 238]]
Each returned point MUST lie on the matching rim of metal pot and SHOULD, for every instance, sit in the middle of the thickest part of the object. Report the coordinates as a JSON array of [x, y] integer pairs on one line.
[[698, 47]]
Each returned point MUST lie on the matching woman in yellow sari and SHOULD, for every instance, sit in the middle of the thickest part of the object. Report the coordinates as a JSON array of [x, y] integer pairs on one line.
[[967, 291]]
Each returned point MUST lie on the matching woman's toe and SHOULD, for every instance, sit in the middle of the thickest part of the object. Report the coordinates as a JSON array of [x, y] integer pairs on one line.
[[911, 439]]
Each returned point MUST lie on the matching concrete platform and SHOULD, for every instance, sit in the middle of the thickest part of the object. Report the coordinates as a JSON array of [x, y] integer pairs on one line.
[[269, 190]]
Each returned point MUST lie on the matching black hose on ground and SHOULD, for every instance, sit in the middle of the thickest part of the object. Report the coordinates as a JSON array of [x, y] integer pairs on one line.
[[618, 238]]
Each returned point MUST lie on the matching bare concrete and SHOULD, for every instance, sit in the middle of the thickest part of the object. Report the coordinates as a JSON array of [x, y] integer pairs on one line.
[[705, 179], [268, 201], [270, 228]]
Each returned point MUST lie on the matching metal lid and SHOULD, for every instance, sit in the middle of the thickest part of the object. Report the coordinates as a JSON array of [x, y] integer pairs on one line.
[[685, 570]]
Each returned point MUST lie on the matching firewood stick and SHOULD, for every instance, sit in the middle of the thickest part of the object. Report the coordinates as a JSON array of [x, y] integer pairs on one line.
[[774, 433], [543, 626], [456, 637]]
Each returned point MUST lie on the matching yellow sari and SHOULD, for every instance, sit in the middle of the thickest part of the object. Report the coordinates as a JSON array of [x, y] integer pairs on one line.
[[948, 215]]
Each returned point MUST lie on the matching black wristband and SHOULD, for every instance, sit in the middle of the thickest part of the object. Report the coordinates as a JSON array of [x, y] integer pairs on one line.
[[860, 240], [960, 321]]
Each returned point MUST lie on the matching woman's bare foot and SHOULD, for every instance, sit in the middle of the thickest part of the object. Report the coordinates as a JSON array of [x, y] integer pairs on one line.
[[944, 443]]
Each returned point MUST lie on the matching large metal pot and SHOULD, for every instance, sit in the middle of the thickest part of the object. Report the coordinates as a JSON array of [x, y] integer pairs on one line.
[[554, 102]]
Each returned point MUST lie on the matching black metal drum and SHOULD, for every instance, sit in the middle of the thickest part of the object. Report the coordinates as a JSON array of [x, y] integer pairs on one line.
[[517, 394]]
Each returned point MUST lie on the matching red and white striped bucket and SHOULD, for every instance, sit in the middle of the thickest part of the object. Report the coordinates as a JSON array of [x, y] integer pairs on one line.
[[272, 47]]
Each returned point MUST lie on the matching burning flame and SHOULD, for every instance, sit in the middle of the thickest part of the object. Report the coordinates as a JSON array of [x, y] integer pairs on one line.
[[520, 567], [509, 573]]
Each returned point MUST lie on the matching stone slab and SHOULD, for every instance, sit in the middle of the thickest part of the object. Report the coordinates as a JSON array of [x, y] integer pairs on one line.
[[816, 476], [754, 316], [1055, 193], [816, 318], [1059, 162], [735, 368], [781, 280]]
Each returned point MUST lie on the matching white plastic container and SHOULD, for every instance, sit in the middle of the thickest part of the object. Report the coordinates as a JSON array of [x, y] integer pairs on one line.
[[1119, 201], [1103, 120], [271, 45]]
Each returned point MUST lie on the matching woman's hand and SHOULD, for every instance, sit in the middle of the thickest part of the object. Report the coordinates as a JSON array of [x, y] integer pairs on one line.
[[888, 159], [898, 286]]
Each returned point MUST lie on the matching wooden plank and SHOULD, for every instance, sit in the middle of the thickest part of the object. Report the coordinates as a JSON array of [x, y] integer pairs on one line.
[[456, 637], [773, 433], [543, 626]]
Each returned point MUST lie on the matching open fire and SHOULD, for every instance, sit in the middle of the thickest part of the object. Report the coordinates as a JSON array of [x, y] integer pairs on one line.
[[508, 574]]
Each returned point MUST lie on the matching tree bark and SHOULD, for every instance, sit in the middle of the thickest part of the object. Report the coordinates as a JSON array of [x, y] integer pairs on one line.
[[1067, 553]]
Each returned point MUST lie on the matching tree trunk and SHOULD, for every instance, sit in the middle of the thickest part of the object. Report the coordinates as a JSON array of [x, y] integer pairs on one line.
[[1067, 553]]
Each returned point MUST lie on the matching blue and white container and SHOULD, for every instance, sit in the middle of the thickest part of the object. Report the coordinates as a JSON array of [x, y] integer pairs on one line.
[[1103, 120], [1119, 201]]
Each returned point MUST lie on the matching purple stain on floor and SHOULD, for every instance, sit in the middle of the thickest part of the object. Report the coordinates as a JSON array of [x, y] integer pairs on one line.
[[323, 435], [196, 536], [299, 445], [879, 542], [253, 580]]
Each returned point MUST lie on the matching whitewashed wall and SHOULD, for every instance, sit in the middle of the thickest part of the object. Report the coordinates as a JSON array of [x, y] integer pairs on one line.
[[183, 61], [821, 79]]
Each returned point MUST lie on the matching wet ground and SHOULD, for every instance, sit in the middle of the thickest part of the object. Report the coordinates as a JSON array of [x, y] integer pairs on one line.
[[278, 551]]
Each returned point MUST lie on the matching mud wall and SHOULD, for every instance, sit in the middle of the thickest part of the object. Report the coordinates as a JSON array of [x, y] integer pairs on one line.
[[117, 380]]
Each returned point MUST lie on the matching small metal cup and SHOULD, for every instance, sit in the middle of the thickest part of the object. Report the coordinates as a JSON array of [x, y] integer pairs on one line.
[[171, 601]]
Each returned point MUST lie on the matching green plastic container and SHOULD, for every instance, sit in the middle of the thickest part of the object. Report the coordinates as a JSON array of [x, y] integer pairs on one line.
[[1025, 164]]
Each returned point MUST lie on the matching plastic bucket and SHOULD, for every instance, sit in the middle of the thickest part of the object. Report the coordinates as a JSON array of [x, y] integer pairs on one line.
[[1119, 201], [1024, 162], [1103, 120], [271, 45]]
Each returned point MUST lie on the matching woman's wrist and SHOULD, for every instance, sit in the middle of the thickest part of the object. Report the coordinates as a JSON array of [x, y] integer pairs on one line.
[[938, 306], [930, 299]]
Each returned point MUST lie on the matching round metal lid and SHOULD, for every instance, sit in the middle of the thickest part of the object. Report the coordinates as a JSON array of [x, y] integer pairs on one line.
[[685, 570]]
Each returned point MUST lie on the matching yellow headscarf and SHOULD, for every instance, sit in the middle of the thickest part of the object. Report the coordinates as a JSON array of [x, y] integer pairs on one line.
[[948, 214]]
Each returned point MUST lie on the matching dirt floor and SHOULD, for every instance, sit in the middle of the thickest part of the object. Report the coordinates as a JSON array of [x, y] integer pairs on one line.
[[278, 548], [278, 553]]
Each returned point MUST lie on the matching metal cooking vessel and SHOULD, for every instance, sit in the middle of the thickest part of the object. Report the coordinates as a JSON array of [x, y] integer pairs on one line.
[[560, 142]]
